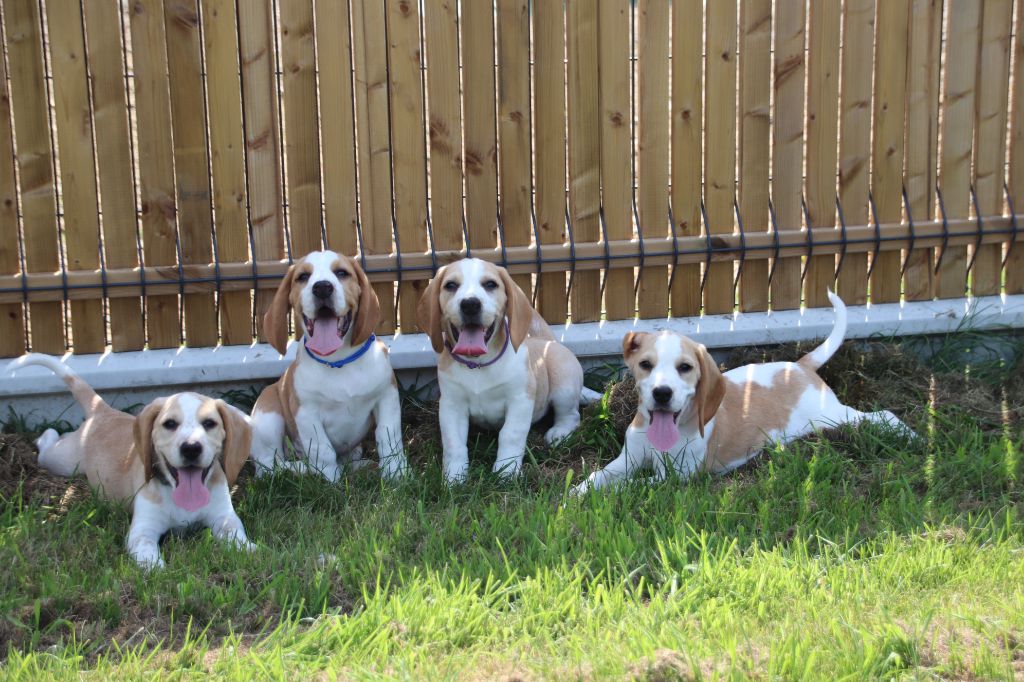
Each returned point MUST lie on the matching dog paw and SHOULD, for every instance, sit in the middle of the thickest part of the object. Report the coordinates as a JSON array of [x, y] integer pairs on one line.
[[557, 434], [47, 439]]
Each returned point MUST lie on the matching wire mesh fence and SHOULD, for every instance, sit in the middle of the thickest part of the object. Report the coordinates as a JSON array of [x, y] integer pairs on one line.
[[167, 159]]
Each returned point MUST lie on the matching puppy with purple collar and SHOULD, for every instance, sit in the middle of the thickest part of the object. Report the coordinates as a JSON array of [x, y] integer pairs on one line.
[[341, 383], [500, 365]]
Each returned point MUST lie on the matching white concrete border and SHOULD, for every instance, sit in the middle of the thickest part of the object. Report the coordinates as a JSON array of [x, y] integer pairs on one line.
[[171, 370]]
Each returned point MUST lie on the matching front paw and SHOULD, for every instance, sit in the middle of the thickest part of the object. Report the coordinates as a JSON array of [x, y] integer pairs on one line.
[[556, 434], [580, 489], [394, 468], [508, 469], [456, 475], [149, 562], [245, 546]]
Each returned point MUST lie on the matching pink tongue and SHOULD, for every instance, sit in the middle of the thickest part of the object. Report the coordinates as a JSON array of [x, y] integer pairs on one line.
[[662, 432], [325, 339], [471, 342], [190, 494]]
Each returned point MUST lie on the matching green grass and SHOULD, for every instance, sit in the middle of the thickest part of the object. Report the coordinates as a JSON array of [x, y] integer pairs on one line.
[[853, 556]]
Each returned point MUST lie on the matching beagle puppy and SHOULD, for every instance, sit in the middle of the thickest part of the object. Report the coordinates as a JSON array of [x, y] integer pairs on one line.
[[341, 382], [500, 365], [174, 462], [692, 417]]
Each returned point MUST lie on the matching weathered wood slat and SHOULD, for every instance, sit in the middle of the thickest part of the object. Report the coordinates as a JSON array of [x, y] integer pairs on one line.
[[720, 133], [227, 162], [755, 141], [23, 28], [549, 128], [687, 144]]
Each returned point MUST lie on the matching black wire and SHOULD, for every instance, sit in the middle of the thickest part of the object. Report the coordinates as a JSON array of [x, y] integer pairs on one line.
[[1013, 226], [913, 235], [878, 234], [945, 229]]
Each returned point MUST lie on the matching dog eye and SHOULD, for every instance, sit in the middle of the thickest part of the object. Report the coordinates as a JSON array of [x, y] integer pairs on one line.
[[209, 424], [490, 285], [646, 365], [684, 368], [303, 277], [170, 424], [341, 274], [451, 286]]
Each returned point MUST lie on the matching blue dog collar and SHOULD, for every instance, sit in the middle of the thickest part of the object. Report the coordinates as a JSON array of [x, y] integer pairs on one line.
[[346, 360]]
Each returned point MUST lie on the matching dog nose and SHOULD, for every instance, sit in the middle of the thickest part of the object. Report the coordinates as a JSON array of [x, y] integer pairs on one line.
[[470, 306], [190, 451], [662, 394], [323, 289]]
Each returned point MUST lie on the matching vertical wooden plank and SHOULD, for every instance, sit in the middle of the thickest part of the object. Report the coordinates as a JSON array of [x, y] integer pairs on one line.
[[855, 139], [409, 153], [370, 58], [156, 163], [822, 128], [922, 135], [337, 136], [788, 149], [73, 120], [481, 153], [990, 145], [35, 164], [887, 142], [755, 141], [514, 125], [549, 122], [12, 315], [220, 34], [262, 140], [962, 33], [720, 132], [445, 123], [302, 153], [191, 164], [687, 143], [105, 47], [616, 173], [652, 151], [584, 149], [1015, 258]]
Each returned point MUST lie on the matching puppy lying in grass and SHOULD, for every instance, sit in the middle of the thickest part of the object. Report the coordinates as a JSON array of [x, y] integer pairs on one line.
[[174, 462], [691, 417]]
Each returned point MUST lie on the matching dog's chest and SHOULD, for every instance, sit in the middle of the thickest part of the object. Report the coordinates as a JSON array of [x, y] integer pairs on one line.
[[487, 391], [343, 398]]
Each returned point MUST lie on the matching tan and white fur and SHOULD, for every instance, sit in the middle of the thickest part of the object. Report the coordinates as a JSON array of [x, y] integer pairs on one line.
[[721, 421], [533, 373], [326, 411], [186, 449]]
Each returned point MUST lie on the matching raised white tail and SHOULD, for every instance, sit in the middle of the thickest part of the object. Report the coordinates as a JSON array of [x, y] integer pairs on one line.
[[820, 355], [81, 391]]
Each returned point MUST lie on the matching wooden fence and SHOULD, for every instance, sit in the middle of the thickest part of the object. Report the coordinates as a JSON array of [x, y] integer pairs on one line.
[[762, 150]]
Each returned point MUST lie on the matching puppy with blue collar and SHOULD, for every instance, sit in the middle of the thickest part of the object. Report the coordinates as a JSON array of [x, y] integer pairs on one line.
[[341, 383]]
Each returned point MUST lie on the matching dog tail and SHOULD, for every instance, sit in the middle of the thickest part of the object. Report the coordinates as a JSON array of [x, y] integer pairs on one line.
[[820, 355], [81, 391], [588, 396]]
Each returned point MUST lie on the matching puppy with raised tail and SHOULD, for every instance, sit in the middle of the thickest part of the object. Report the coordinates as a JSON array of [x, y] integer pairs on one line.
[[692, 417], [500, 365], [174, 462], [341, 383]]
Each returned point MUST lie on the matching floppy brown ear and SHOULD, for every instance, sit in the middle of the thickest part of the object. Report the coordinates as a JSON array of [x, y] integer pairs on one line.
[[368, 315], [275, 321], [710, 389], [631, 344], [517, 309], [428, 312], [143, 429], [237, 440]]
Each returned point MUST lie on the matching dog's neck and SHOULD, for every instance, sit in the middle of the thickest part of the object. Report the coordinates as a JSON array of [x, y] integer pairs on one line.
[[344, 350], [497, 347]]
